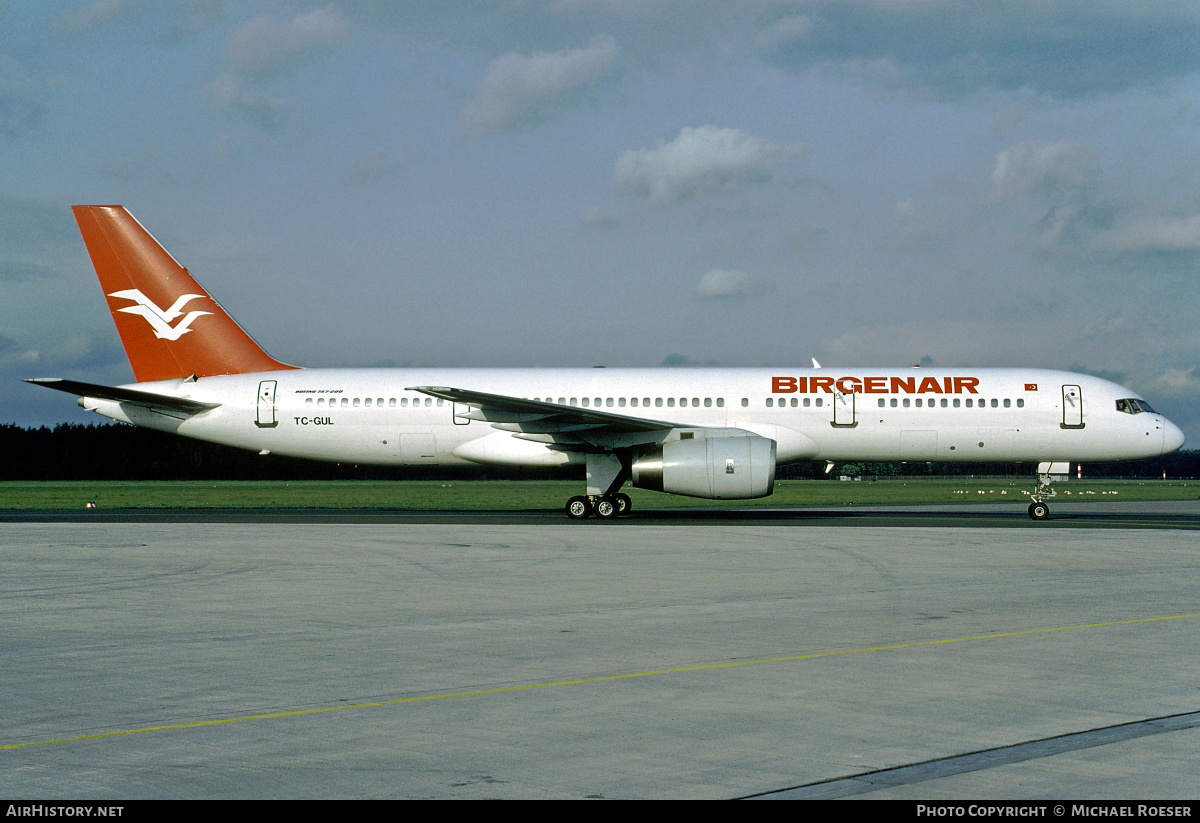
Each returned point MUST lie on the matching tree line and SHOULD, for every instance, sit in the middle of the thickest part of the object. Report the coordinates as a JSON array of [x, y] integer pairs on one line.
[[73, 451]]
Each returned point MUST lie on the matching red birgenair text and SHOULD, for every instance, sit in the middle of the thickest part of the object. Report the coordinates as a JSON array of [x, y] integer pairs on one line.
[[875, 385]]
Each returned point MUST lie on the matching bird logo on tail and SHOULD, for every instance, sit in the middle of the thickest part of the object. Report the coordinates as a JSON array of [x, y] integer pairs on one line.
[[159, 319]]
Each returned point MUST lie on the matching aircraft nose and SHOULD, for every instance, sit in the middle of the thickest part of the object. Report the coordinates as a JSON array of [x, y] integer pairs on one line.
[[1172, 437]]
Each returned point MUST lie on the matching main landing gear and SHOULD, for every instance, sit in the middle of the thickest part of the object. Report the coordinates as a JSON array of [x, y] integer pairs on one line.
[[606, 473], [605, 507]]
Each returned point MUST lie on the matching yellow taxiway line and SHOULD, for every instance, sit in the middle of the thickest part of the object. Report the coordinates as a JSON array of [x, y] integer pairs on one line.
[[400, 701]]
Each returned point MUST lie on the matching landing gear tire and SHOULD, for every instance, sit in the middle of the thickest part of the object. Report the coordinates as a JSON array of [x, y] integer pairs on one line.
[[607, 508], [579, 507], [1039, 511], [624, 504]]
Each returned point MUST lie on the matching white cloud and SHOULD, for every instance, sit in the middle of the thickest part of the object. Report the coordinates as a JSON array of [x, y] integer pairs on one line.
[[1110, 326], [1154, 234], [1057, 225], [22, 105], [595, 218], [267, 46], [93, 16], [702, 159], [948, 47], [226, 94], [726, 283], [1023, 168], [13, 353], [785, 31], [1174, 381], [519, 90], [377, 165], [1005, 342]]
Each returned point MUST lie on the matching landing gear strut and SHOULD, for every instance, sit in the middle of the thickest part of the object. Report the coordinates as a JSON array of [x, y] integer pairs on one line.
[[1039, 509], [607, 472]]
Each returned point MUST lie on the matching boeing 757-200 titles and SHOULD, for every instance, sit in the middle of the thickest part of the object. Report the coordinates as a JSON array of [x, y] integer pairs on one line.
[[714, 433]]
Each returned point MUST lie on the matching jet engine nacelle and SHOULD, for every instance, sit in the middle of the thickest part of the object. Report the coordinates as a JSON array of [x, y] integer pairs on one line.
[[717, 468]]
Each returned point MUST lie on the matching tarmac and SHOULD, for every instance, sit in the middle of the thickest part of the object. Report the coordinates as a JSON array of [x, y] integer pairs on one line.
[[895, 653]]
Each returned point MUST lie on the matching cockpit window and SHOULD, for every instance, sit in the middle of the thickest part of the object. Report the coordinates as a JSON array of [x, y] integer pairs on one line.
[[1132, 405]]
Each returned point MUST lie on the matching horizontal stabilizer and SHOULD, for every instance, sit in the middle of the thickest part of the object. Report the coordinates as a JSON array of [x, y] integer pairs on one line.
[[140, 398]]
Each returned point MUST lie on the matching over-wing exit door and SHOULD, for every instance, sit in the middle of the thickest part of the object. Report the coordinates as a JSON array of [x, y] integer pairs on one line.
[[843, 409]]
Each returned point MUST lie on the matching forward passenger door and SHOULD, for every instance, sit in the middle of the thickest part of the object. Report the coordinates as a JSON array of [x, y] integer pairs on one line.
[[1072, 397]]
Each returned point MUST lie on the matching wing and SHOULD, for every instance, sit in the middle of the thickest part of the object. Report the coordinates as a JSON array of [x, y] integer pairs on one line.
[[566, 427], [152, 401]]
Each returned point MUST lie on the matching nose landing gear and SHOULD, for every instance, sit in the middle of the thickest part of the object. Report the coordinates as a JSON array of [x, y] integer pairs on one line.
[[1039, 509]]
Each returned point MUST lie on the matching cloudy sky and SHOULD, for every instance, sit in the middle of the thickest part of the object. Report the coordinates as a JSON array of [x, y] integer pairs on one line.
[[620, 182]]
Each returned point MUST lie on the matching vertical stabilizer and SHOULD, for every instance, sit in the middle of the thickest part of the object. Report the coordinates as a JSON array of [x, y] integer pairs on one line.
[[169, 325]]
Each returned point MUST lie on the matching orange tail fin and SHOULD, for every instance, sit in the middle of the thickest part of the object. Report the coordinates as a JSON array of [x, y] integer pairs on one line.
[[169, 325]]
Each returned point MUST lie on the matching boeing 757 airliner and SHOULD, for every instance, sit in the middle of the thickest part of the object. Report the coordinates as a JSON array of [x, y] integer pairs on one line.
[[714, 433]]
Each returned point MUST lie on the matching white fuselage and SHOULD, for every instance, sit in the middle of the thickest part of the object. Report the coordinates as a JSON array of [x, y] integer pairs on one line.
[[860, 414]]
